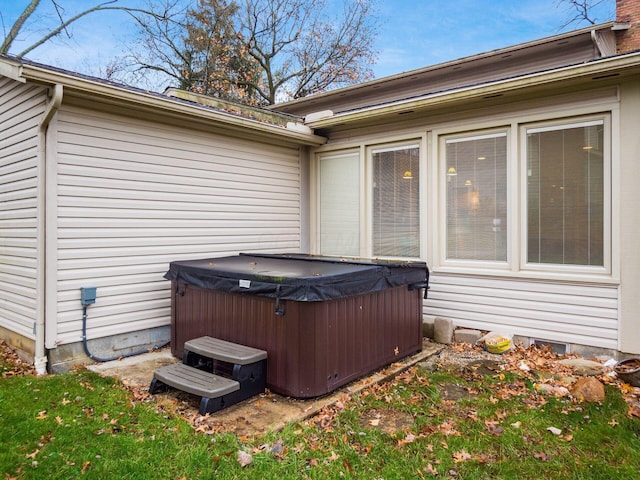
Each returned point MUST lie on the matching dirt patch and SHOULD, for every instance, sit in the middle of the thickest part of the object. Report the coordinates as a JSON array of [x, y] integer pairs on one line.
[[388, 420], [456, 392], [487, 367]]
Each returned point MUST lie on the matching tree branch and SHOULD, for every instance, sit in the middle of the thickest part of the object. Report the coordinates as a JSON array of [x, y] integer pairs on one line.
[[17, 26]]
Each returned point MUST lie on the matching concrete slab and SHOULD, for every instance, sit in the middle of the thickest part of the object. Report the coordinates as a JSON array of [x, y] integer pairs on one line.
[[260, 414]]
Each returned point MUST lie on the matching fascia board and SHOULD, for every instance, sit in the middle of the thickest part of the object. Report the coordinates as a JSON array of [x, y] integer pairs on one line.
[[142, 101], [595, 68]]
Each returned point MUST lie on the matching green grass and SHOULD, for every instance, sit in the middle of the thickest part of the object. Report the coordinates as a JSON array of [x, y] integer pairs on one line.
[[80, 425]]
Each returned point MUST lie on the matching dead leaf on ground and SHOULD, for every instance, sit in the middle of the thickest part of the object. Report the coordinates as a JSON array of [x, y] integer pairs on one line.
[[542, 456], [461, 456]]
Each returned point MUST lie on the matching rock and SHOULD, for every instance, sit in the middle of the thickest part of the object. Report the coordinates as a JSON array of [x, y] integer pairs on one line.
[[588, 389], [427, 329], [555, 390], [442, 330], [467, 335], [583, 367]]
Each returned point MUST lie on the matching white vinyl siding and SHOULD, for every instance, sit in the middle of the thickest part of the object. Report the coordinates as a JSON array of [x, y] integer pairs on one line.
[[20, 114], [134, 196], [557, 311]]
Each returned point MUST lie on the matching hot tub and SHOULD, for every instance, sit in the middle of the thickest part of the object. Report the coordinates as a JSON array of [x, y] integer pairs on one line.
[[323, 321]]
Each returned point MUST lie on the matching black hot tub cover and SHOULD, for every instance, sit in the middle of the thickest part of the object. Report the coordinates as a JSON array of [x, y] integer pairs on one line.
[[299, 277]]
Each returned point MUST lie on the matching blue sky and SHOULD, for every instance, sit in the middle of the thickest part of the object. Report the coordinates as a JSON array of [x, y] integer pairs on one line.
[[413, 33]]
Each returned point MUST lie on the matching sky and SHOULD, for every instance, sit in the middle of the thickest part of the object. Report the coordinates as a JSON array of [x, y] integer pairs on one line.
[[412, 33]]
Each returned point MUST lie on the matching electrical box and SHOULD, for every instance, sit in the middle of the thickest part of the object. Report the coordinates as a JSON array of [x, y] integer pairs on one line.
[[87, 295]]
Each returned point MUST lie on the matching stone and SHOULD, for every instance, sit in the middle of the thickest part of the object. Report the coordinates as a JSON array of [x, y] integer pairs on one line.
[[467, 335], [427, 329], [442, 330], [588, 389], [583, 367]]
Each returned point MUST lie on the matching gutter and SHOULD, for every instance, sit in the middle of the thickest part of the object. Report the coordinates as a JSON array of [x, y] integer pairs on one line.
[[40, 357], [150, 101], [606, 66]]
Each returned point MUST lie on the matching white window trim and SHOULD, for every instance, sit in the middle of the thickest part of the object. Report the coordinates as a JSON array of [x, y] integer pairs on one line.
[[555, 124], [365, 152], [369, 150], [463, 266]]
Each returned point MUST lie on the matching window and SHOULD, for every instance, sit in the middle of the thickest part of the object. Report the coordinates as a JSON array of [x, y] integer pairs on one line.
[[565, 194], [389, 224], [396, 199], [340, 204], [476, 196]]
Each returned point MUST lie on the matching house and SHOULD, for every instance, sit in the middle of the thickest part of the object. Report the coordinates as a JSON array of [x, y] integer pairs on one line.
[[513, 173]]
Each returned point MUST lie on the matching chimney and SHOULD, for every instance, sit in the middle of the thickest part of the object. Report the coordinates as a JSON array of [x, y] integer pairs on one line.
[[627, 15]]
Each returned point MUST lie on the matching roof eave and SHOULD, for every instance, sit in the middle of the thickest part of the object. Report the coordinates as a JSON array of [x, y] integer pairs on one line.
[[597, 67], [492, 53], [297, 133]]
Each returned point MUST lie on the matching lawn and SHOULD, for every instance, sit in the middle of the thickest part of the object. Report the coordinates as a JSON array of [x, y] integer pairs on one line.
[[429, 422]]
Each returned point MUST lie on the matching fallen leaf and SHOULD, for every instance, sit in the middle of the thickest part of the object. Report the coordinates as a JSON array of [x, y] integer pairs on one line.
[[33, 454], [461, 456], [493, 427], [333, 456], [542, 456], [41, 415], [410, 438], [375, 422], [516, 424], [430, 470], [554, 430], [59, 420], [613, 422]]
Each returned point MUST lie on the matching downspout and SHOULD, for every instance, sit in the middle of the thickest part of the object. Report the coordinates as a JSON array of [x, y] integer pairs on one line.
[[40, 357]]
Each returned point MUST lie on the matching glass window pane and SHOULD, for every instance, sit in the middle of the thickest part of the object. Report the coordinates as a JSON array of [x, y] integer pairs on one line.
[[476, 169], [340, 205], [565, 194], [396, 197]]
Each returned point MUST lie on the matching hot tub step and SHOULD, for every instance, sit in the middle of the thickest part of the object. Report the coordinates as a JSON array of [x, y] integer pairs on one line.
[[246, 365], [217, 392], [224, 351]]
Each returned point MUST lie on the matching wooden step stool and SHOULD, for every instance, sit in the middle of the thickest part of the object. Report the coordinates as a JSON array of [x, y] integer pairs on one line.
[[222, 373]]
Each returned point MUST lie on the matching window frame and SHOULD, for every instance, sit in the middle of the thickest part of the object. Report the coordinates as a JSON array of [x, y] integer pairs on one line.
[[387, 147], [472, 264], [318, 247], [558, 124], [365, 153]]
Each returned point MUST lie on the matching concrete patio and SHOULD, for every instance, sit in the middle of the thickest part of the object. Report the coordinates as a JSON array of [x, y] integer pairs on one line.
[[260, 414]]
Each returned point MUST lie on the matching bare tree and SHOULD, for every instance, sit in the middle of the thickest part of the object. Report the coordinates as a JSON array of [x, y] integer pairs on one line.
[[302, 50], [195, 47], [580, 11], [63, 24], [259, 51]]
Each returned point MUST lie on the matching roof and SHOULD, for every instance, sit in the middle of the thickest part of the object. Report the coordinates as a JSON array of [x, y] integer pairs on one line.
[[234, 116], [571, 48]]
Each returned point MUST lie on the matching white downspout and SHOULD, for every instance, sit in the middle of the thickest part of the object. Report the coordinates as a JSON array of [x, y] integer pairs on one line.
[[40, 357]]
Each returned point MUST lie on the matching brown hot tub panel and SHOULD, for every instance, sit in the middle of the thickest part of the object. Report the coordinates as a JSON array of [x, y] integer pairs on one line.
[[323, 322]]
